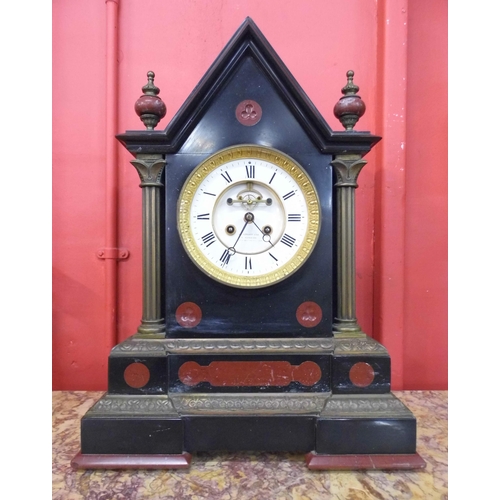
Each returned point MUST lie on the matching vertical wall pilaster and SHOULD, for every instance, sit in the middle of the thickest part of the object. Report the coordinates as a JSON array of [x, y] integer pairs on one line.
[[390, 184]]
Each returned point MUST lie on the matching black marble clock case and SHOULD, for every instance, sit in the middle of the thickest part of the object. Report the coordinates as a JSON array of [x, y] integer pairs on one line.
[[165, 416]]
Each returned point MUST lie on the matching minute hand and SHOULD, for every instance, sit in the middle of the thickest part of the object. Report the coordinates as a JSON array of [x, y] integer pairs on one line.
[[264, 234]]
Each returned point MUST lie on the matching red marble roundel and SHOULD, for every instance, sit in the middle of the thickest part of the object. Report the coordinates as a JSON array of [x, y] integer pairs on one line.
[[361, 374], [188, 314], [136, 375], [248, 112], [309, 314]]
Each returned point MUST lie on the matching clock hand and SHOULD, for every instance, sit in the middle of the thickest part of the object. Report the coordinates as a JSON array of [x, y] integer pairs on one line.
[[248, 218], [265, 236], [239, 236]]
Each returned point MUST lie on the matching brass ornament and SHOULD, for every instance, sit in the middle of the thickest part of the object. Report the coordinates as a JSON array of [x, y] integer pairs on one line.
[[365, 406], [150, 169], [347, 169], [112, 404], [249, 404]]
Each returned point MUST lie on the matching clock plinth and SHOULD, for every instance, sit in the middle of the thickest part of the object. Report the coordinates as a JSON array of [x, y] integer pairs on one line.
[[249, 338]]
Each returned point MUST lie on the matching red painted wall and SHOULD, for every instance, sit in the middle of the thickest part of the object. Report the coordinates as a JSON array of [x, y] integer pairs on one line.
[[318, 41], [78, 156]]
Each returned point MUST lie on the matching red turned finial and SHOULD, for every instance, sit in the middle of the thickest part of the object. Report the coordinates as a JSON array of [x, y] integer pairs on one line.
[[150, 108], [351, 107]]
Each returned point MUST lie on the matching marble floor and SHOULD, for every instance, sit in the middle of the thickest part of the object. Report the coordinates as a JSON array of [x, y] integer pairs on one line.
[[259, 476]]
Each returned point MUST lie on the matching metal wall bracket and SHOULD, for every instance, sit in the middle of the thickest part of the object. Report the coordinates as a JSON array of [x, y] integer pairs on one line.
[[113, 253]]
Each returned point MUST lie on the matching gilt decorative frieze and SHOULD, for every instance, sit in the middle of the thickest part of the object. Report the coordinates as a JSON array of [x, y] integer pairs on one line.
[[142, 347], [353, 346], [206, 346], [248, 403], [358, 347], [133, 405], [369, 406]]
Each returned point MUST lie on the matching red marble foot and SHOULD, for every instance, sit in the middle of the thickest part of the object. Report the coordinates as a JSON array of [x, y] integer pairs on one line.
[[364, 462], [90, 461]]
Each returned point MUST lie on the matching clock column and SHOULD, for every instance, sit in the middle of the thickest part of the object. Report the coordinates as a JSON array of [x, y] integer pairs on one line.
[[150, 168], [347, 167], [151, 109]]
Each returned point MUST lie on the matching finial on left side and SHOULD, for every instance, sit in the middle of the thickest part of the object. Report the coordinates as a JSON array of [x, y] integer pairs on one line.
[[150, 108]]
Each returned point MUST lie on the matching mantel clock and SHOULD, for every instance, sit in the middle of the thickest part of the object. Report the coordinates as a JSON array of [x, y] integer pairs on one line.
[[249, 338]]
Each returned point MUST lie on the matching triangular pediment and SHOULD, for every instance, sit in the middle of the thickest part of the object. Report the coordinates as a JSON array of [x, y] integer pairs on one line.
[[248, 41]]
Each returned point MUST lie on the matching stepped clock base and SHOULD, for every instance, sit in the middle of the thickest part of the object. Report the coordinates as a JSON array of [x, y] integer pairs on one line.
[[372, 431]]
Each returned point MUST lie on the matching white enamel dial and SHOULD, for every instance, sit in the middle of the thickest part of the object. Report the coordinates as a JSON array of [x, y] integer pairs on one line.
[[248, 216]]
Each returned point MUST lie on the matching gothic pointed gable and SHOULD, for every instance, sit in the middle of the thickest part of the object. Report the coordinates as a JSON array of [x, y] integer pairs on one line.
[[247, 46]]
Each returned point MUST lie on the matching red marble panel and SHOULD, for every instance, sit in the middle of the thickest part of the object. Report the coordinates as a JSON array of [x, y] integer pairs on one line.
[[364, 462], [81, 461], [249, 373]]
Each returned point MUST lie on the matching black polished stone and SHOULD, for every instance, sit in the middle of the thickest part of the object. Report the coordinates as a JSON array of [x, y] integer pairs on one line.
[[255, 433], [340, 436], [140, 434]]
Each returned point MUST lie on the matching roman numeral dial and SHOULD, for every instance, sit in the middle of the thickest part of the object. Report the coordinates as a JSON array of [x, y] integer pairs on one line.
[[248, 216]]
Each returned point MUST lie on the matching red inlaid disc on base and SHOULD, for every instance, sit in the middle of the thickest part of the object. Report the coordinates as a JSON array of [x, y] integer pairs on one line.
[[361, 374], [136, 375]]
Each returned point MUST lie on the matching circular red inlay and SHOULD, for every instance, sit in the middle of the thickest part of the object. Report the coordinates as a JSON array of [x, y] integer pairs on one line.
[[248, 112], [136, 375], [307, 373], [188, 314], [309, 314], [361, 374], [191, 373]]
